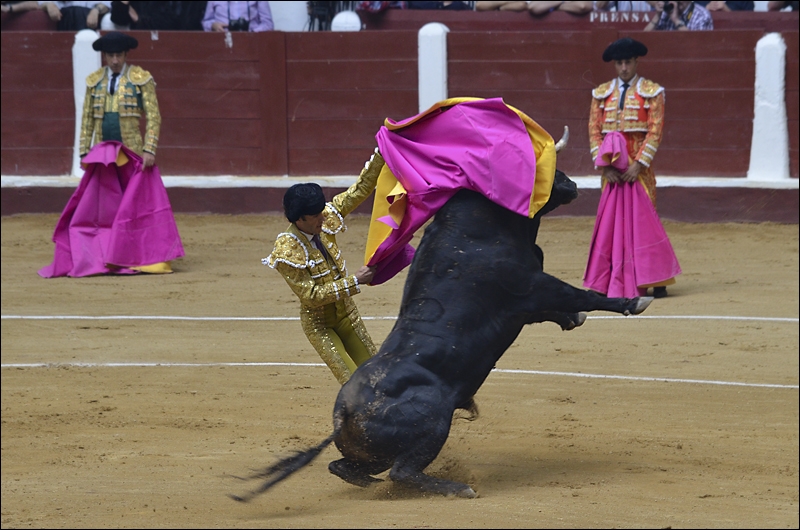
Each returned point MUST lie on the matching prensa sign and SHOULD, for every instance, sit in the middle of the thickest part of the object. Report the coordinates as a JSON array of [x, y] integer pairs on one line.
[[615, 16]]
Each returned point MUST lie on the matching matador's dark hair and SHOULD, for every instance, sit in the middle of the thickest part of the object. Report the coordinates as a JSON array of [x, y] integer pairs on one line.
[[303, 199]]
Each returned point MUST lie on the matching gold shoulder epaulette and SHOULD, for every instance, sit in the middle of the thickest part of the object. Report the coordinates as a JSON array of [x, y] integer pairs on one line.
[[333, 223], [603, 91], [95, 77], [648, 89], [138, 75], [289, 250]]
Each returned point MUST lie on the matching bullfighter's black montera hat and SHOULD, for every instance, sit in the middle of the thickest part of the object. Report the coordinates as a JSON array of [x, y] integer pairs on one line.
[[625, 48], [303, 199], [115, 42]]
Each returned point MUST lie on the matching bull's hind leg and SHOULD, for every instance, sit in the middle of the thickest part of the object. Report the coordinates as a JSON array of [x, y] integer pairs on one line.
[[405, 473], [408, 467], [355, 473]]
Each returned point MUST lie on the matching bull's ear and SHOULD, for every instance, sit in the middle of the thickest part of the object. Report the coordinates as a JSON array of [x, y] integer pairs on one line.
[[539, 254]]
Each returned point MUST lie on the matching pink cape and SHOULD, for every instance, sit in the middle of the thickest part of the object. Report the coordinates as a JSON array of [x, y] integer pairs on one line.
[[118, 217], [478, 145], [630, 249]]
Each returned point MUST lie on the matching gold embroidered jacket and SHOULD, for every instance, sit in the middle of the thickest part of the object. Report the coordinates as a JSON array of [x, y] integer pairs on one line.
[[135, 95], [642, 112], [313, 279]]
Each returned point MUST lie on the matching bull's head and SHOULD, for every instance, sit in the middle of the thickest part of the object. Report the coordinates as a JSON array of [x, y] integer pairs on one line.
[[564, 189]]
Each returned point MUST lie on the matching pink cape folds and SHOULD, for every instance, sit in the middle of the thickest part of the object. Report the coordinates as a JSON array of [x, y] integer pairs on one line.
[[119, 217], [630, 249], [461, 143]]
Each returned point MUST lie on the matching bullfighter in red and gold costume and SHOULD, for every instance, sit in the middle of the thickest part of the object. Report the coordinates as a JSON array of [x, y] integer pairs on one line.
[[628, 112]]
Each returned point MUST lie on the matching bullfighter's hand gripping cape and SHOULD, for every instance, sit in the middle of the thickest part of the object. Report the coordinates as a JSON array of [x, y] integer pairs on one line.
[[482, 145], [630, 250]]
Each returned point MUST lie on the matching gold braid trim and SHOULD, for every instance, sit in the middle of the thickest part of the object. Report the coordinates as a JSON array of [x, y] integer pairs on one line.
[[288, 249], [95, 77], [648, 89], [334, 222], [139, 76], [604, 90]]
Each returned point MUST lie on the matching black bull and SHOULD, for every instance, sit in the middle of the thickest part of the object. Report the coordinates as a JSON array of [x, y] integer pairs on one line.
[[475, 281]]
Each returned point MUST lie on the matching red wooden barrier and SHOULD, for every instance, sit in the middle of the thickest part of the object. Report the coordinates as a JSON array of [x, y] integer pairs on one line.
[[310, 103]]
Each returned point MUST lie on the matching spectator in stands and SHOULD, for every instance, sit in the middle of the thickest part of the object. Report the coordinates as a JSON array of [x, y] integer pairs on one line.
[[452, 6], [501, 6], [75, 16], [576, 8], [680, 16], [728, 6], [158, 15], [20, 7], [238, 16], [620, 6], [780, 6]]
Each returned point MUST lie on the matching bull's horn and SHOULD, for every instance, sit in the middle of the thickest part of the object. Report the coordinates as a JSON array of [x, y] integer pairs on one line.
[[561, 144]]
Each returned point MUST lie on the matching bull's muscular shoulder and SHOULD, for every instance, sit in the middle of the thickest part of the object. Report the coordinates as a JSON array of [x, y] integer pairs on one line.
[[95, 77], [334, 222], [648, 89], [288, 249], [603, 91], [138, 75]]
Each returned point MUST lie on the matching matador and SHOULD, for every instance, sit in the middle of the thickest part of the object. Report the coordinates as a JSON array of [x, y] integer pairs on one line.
[[117, 96], [308, 257]]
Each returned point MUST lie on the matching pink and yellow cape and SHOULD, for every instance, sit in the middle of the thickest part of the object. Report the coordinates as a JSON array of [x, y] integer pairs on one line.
[[118, 221], [630, 250], [482, 145]]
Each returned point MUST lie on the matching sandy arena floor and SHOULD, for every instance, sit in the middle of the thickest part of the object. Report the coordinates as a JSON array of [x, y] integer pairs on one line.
[[695, 425]]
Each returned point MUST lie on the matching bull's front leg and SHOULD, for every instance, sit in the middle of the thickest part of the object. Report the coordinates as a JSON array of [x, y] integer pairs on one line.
[[567, 321], [549, 295]]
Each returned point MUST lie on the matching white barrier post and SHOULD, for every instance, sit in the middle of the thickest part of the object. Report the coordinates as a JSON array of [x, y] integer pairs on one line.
[[769, 149], [84, 61], [432, 64]]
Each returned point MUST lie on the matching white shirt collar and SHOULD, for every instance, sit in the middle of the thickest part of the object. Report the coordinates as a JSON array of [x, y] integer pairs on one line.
[[632, 82]]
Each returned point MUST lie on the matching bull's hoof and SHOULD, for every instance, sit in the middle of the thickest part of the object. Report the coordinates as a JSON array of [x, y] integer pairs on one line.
[[580, 320], [350, 473], [467, 493], [642, 303]]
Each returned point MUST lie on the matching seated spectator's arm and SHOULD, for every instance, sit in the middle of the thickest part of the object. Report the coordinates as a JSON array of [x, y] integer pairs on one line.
[[576, 8], [95, 13], [540, 8], [264, 22], [210, 22], [501, 6], [601, 5], [52, 11], [20, 7], [776, 6]]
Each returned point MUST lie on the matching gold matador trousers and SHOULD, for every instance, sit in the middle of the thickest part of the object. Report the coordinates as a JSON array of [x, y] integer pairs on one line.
[[338, 334]]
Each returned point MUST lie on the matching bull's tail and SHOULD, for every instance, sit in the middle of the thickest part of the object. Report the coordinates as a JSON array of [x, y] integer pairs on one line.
[[283, 468]]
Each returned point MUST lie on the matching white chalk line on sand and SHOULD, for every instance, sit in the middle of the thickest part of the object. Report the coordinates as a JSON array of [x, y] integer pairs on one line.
[[286, 319], [526, 372], [307, 365]]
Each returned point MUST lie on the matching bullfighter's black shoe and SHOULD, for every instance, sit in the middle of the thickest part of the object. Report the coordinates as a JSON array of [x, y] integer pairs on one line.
[[659, 292]]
